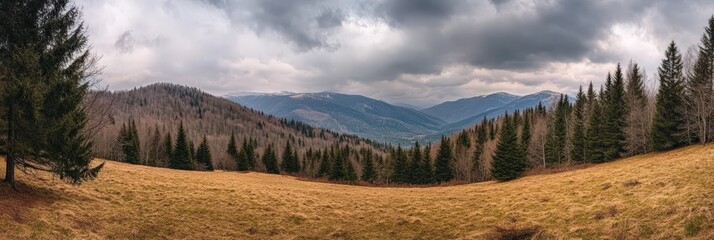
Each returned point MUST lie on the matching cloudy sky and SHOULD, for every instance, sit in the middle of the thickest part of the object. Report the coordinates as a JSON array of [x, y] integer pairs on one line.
[[402, 51]]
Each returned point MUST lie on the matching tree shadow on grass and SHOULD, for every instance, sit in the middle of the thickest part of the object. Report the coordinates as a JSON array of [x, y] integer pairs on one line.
[[16, 205]]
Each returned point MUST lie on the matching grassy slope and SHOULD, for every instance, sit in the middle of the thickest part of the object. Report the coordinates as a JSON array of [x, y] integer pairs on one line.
[[675, 189]]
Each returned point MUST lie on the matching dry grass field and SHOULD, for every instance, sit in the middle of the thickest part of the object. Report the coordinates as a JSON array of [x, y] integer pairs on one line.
[[656, 196]]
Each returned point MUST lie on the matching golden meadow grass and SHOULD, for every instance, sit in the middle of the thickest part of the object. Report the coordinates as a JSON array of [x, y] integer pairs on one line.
[[654, 196]]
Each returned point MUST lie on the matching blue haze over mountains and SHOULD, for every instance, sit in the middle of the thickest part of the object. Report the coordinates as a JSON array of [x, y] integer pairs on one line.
[[381, 121]]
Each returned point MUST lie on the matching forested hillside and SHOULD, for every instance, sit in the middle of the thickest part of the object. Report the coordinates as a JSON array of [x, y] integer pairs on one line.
[[152, 115]]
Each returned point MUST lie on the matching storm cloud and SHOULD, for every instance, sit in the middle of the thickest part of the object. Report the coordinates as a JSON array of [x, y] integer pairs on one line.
[[412, 51]]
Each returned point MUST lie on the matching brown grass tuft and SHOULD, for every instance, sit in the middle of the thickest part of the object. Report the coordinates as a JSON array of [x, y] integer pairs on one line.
[[631, 183], [516, 233], [610, 211]]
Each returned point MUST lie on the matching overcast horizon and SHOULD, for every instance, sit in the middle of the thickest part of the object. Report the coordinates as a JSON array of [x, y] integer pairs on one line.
[[420, 53]]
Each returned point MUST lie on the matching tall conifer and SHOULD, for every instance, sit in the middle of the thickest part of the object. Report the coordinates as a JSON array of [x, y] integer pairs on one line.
[[509, 160], [443, 164], [668, 124]]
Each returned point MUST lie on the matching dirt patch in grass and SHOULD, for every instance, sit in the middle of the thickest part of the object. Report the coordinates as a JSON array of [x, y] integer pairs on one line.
[[515, 232]]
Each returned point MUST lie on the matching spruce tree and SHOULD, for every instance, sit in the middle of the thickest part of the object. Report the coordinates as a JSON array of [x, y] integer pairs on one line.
[[400, 166], [477, 164], [289, 163], [368, 172], [203, 155], [296, 161], [426, 171], [46, 66], [128, 144], [594, 146], [249, 148], [167, 150], [192, 153], [270, 160], [181, 158], [668, 123], [526, 132], [509, 159], [443, 170], [557, 137], [351, 174], [232, 149], [325, 167], [577, 152], [339, 171], [415, 162], [154, 150], [614, 113], [463, 139]]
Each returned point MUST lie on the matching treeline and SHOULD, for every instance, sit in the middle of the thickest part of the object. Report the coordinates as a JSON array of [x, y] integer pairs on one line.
[[162, 152]]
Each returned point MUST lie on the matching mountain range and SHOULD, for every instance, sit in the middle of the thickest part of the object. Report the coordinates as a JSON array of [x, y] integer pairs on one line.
[[381, 121]]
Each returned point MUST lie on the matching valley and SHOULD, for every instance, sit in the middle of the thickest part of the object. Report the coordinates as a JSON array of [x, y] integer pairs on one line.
[[384, 122]]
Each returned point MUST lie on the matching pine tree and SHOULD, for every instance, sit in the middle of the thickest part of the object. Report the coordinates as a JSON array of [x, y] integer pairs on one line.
[[509, 160], [477, 164], [443, 171], [270, 160], [556, 141], [181, 158], [414, 173], [668, 124], [296, 161], [192, 153], [400, 167], [614, 113], [351, 174], [249, 148], [46, 65], [463, 139], [128, 143], [368, 172], [526, 132], [594, 148], [325, 166], [577, 152], [426, 171], [338, 172], [167, 149], [290, 162], [232, 149], [203, 155]]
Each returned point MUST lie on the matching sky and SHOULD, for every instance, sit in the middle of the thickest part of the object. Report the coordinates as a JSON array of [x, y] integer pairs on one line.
[[418, 52]]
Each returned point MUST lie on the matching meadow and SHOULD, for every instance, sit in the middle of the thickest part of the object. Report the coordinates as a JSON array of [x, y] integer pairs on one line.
[[655, 196]]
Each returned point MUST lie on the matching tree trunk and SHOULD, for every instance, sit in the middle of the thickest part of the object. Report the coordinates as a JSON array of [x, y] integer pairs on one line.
[[10, 171], [10, 161]]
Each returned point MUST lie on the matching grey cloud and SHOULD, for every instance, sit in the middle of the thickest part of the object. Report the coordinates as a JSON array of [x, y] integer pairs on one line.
[[305, 23], [330, 18], [412, 12], [125, 43], [424, 38]]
